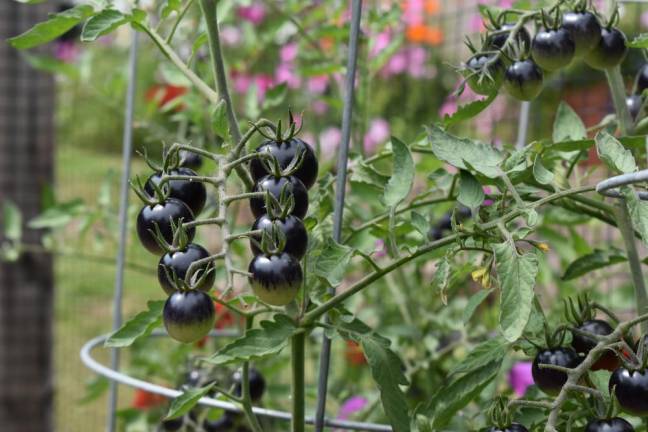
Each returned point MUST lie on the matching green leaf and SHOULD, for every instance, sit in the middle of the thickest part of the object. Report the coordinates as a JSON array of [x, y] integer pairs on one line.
[[402, 178], [442, 279], [103, 23], [54, 27], [386, 369], [638, 210], [541, 174], [491, 350], [612, 152], [141, 325], [471, 193], [567, 125], [640, 41], [464, 153], [59, 215], [331, 262], [219, 121], [594, 261], [170, 6], [12, 218], [187, 400], [420, 223], [51, 65], [257, 343], [601, 381], [468, 111], [473, 303], [459, 392], [517, 274], [364, 173], [275, 96]]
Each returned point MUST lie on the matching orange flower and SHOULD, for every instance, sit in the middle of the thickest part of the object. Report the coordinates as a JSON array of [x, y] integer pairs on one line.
[[432, 7], [354, 354], [143, 400], [434, 36], [416, 33]]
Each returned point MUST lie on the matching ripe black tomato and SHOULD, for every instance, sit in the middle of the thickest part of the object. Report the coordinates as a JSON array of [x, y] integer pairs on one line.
[[189, 315], [642, 79], [274, 185], [615, 424], [257, 384], [553, 49], [523, 80], [179, 262], [584, 29], [484, 85], [496, 41], [583, 344], [275, 279], [285, 152], [610, 50], [634, 103], [223, 424], [631, 390], [190, 159], [164, 215], [172, 424], [514, 427], [291, 226], [551, 381], [192, 193]]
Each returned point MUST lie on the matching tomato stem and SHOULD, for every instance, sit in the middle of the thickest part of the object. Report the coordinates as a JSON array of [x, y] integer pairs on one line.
[[298, 358]]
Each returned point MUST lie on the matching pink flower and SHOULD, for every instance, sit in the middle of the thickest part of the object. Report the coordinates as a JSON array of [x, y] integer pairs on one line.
[[644, 19], [288, 52], [263, 83], [66, 51], [413, 11], [255, 13], [476, 24], [329, 141], [381, 249], [377, 134], [351, 406], [285, 73], [230, 35], [416, 66], [319, 107], [318, 84], [241, 81], [395, 65], [380, 42], [520, 377], [448, 107]]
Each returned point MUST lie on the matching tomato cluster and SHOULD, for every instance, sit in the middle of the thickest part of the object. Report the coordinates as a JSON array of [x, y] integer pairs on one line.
[[161, 226], [511, 58], [284, 171]]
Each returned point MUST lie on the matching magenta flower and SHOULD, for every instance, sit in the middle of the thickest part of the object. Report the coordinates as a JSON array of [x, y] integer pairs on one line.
[[329, 141], [288, 52], [413, 12], [380, 42], [381, 249], [230, 35], [351, 406], [66, 51], [319, 107], [318, 84], [644, 19], [285, 73], [520, 377], [241, 81], [448, 107], [377, 134], [255, 13]]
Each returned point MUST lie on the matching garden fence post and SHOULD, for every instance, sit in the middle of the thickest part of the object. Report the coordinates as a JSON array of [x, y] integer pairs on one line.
[[340, 191], [26, 286], [127, 150], [523, 124]]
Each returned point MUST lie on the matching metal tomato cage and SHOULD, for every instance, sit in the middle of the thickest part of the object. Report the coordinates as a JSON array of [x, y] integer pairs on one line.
[[112, 372]]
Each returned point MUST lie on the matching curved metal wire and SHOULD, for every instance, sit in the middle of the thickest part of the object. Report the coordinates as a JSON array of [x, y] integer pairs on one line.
[[610, 187], [122, 378]]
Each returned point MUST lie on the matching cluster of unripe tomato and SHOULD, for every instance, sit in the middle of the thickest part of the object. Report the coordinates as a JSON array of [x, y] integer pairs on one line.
[[285, 168], [510, 57], [228, 422], [628, 383]]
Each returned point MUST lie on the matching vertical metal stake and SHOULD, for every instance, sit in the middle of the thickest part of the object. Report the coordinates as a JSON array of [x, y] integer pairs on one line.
[[325, 356], [127, 150], [523, 124]]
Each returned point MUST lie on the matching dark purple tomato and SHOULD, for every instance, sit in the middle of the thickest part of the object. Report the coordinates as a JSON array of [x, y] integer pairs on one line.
[[285, 152], [523, 80], [190, 160], [610, 50], [631, 390], [479, 83], [514, 427], [583, 344], [189, 315], [179, 262], [164, 215], [551, 381], [634, 103], [257, 384], [192, 193], [275, 185], [642, 79], [584, 29], [553, 49], [616, 424], [223, 424], [497, 41], [292, 228], [172, 425], [275, 279]]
